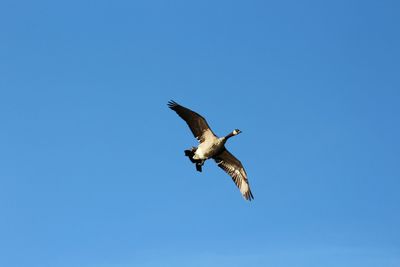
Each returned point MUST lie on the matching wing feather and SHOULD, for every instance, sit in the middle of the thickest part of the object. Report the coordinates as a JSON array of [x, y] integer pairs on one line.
[[197, 124], [234, 168]]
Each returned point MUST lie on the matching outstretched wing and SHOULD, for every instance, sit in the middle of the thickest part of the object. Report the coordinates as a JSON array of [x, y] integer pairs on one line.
[[197, 124], [234, 168]]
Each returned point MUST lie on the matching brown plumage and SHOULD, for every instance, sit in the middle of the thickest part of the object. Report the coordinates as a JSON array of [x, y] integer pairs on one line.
[[197, 124], [232, 166], [212, 147]]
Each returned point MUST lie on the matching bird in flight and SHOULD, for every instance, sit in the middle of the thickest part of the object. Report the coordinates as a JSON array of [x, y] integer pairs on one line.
[[212, 146]]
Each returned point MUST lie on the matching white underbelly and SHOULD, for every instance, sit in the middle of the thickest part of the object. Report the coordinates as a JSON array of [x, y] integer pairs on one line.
[[205, 150], [200, 153]]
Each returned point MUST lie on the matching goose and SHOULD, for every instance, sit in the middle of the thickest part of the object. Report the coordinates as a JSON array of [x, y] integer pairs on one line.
[[212, 147]]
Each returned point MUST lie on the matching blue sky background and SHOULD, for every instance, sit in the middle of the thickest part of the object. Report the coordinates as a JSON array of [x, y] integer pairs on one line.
[[92, 172]]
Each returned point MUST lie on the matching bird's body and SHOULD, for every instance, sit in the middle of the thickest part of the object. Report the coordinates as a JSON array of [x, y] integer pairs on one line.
[[211, 146]]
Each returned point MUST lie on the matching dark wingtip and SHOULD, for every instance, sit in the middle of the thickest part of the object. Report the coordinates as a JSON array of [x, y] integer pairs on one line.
[[249, 196], [171, 104]]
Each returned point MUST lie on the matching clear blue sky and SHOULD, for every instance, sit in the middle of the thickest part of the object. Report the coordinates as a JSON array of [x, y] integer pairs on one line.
[[92, 172]]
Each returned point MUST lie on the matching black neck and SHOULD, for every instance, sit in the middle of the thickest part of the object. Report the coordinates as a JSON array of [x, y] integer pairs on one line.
[[229, 136]]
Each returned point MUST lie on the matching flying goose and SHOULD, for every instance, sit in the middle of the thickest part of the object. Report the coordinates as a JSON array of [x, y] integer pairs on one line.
[[212, 146]]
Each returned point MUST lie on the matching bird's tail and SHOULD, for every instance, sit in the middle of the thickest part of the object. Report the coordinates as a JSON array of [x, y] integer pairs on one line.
[[190, 154]]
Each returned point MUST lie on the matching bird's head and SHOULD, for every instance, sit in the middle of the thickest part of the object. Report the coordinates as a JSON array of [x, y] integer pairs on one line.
[[236, 132]]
